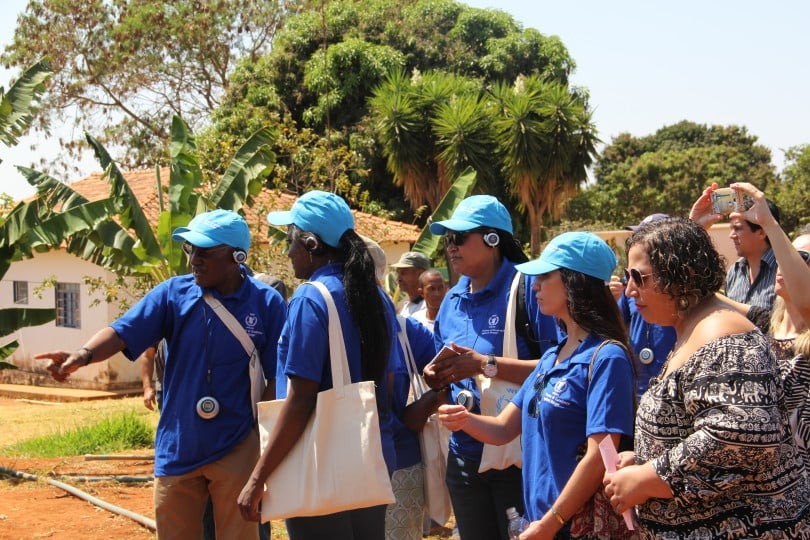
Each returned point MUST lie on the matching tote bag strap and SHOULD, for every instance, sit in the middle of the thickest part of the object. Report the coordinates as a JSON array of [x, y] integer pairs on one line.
[[231, 323], [510, 349], [337, 348], [257, 380], [419, 386]]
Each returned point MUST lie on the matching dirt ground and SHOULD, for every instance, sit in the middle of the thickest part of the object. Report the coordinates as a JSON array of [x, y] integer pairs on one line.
[[31, 509], [35, 510]]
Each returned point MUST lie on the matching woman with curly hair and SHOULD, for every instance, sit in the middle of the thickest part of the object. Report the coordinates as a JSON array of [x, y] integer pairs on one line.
[[714, 455]]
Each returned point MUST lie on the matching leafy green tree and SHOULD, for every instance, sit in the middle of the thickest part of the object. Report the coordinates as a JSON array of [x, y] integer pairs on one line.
[[329, 58], [664, 172], [130, 66], [793, 193]]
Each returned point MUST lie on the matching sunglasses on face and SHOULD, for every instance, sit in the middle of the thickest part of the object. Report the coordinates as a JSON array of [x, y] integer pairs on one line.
[[457, 238], [194, 251], [636, 276]]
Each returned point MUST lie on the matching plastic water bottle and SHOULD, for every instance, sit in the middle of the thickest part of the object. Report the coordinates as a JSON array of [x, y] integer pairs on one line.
[[517, 523]]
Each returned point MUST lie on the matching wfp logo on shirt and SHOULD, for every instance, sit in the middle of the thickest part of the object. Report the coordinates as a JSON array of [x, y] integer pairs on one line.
[[493, 325], [251, 322], [555, 396]]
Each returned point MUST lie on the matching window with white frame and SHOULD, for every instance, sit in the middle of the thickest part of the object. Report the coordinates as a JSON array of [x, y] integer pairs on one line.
[[67, 305], [20, 292]]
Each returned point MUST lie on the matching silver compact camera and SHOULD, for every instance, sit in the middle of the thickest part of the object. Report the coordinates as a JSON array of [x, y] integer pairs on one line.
[[726, 201], [466, 399]]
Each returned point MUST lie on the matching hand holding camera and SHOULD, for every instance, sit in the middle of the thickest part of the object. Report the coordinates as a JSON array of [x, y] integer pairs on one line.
[[716, 204]]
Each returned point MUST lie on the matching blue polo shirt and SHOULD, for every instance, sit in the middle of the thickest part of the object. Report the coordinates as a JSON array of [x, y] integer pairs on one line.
[[303, 348], [197, 343], [477, 320], [406, 441], [570, 409], [659, 339]]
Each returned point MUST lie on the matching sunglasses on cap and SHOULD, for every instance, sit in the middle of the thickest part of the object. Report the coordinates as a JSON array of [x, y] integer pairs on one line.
[[636, 276]]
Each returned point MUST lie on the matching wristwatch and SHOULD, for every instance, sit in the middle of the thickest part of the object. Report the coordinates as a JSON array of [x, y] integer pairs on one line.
[[491, 367]]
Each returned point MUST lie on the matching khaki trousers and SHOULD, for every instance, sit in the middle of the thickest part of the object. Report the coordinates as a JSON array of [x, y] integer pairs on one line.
[[180, 500]]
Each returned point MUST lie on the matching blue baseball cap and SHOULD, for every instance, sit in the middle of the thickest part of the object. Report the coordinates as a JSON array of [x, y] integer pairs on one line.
[[215, 228], [319, 212], [579, 251], [473, 212]]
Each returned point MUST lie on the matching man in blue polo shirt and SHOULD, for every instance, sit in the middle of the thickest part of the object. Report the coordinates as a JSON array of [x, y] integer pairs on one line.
[[207, 441]]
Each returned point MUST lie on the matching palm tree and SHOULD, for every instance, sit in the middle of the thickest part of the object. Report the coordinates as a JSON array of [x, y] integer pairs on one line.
[[547, 141], [415, 120]]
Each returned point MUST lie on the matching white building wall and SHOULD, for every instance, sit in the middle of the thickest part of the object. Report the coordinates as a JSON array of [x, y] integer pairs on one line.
[[117, 372]]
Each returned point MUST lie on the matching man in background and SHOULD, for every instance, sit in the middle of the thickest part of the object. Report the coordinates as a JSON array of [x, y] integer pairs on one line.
[[432, 289], [409, 268], [751, 278]]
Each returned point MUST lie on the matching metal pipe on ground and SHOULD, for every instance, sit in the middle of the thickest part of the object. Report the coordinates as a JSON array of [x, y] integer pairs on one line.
[[143, 520], [109, 457]]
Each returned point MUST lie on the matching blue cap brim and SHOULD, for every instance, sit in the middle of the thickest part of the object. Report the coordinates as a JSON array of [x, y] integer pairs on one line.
[[535, 267], [281, 217], [194, 238], [460, 225]]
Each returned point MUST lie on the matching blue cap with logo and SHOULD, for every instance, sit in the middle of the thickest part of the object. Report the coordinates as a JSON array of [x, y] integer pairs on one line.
[[319, 212], [473, 212], [215, 228], [582, 252]]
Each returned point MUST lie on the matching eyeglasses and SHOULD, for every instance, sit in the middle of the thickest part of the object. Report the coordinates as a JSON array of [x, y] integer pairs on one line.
[[636, 276], [195, 251]]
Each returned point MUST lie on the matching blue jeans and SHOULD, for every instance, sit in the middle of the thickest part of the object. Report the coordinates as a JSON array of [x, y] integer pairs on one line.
[[360, 524], [480, 500]]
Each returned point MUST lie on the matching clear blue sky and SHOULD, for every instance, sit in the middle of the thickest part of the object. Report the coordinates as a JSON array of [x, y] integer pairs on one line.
[[647, 64]]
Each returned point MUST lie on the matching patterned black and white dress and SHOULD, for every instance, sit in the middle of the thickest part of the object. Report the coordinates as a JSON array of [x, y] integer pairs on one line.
[[716, 430]]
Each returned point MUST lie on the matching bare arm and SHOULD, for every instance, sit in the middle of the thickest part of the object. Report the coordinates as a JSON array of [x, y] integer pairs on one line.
[[470, 363], [295, 413], [101, 346], [147, 360], [582, 484], [497, 430]]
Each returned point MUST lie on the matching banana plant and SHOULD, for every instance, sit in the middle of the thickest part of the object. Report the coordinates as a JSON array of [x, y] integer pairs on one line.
[[115, 233], [16, 113]]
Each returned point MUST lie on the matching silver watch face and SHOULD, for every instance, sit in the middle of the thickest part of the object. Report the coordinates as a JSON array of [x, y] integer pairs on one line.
[[490, 370]]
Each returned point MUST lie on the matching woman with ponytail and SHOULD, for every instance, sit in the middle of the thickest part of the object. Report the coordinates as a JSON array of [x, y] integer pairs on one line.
[[324, 247]]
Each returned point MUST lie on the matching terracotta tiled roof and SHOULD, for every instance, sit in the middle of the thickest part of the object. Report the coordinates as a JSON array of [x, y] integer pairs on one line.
[[94, 187]]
